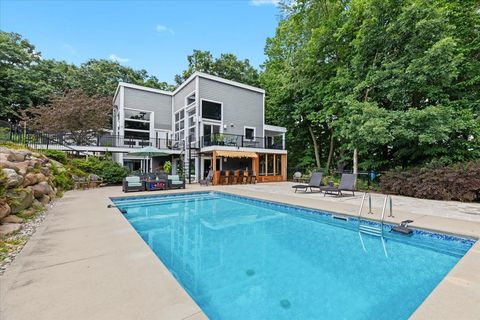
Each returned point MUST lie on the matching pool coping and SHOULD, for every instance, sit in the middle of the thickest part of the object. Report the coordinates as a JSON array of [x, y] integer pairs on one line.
[[463, 279]]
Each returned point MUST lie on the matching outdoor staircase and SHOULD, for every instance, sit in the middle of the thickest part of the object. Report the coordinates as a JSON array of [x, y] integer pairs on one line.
[[371, 229]]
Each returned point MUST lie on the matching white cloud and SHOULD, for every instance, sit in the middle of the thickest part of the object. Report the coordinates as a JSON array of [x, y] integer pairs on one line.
[[116, 58], [264, 2], [161, 28]]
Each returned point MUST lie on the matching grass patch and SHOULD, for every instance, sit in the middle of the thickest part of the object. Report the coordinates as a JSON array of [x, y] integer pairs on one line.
[[8, 245]]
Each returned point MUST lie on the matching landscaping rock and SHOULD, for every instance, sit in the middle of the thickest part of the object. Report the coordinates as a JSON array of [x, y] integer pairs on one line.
[[9, 228], [12, 219], [13, 179], [21, 167], [18, 156], [4, 210], [30, 179], [41, 189], [40, 177], [45, 200], [5, 150], [20, 199], [45, 171], [36, 203]]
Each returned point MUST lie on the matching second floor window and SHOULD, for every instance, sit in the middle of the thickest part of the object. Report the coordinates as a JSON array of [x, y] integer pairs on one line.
[[249, 133], [211, 110]]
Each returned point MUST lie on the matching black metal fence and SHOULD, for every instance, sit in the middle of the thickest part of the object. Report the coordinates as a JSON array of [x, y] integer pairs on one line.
[[240, 141]]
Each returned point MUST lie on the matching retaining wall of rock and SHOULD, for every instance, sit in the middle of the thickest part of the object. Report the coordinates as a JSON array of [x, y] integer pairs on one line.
[[26, 186]]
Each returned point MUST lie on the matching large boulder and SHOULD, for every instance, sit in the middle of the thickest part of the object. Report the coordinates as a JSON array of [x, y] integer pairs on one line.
[[4, 209], [19, 156], [19, 199], [9, 228], [41, 189], [12, 219], [30, 179], [13, 179]]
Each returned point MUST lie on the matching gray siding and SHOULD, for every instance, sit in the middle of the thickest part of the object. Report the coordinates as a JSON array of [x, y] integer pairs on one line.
[[160, 103], [179, 97], [242, 107]]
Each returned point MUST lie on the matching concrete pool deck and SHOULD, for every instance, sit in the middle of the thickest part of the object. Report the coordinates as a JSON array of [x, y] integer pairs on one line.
[[87, 262]]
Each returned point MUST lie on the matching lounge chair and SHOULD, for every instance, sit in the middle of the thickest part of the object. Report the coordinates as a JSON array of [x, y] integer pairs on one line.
[[315, 181], [132, 183], [174, 182], [347, 183], [207, 180]]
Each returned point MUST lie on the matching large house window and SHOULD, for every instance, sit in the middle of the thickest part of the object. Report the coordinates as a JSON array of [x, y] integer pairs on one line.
[[137, 124], [211, 110], [180, 125]]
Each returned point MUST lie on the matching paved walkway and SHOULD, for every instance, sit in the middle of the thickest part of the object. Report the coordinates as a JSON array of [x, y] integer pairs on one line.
[[446, 209], [87, 262]]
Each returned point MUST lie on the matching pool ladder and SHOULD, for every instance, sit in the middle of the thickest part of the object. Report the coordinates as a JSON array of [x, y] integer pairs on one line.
[[369, 229]]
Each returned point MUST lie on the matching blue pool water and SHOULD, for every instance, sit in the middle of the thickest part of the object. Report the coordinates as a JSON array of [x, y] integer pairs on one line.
[[241, 258]]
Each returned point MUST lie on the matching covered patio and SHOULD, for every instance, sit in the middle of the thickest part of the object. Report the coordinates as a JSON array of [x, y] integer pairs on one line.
[[265, 167]]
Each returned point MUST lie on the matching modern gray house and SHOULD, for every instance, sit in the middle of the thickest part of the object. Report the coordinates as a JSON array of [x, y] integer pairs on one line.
[[207, 122]]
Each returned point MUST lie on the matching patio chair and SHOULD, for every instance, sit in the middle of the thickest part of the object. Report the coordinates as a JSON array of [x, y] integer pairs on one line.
[[223, 177], [95, 181], [252, 178], [297, 176], [241, 177], [231, 177], [347, 183], [132, 183], [174, 182], [79, 182], [208, 179], [315, 181]]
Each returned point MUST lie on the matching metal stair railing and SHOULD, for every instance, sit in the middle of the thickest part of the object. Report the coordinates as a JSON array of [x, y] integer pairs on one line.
[[370, 229]]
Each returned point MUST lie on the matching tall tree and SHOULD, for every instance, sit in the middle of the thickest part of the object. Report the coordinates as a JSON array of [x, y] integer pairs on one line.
[[227, 66]]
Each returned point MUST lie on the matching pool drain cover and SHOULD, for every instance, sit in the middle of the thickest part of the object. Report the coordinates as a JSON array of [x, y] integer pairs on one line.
[[250, 272], [285, 304]]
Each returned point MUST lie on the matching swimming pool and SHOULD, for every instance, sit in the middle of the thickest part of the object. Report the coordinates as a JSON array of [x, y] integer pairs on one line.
[[241, 258]]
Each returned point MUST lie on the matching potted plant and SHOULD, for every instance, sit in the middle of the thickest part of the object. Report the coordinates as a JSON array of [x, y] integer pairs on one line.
[[167, 167]]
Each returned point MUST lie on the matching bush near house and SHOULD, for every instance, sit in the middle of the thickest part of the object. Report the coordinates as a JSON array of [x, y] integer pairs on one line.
[[110, 171], [459, 182]]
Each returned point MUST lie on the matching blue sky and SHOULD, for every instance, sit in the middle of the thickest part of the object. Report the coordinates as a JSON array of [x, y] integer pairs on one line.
[[152, 35]]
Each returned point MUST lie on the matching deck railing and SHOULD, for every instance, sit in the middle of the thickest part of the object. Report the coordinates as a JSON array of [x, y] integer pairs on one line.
[[240, 141]]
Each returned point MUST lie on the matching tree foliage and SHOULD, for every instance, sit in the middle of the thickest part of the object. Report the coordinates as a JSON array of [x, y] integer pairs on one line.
[[28, 80], [227, 66], [398, 80], [74, 112]]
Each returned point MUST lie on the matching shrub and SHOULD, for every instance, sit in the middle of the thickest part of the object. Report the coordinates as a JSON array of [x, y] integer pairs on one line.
[[112, 172], [61, 179], [167, 167], [460, 182], [57, 155]]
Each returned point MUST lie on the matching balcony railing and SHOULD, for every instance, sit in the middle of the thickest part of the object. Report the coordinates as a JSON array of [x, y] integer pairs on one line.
[[240, 141]]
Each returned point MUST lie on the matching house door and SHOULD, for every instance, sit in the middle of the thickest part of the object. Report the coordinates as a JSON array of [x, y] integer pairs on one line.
[[209, 132]]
